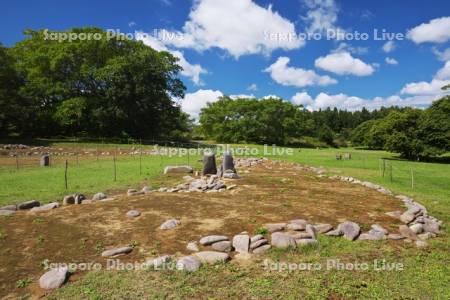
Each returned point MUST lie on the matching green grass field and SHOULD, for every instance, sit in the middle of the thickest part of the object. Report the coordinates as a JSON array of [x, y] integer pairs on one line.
[[425, 273]]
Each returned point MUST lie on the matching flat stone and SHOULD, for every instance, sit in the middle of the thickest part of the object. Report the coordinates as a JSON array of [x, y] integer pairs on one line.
[[99, 196], [178, 169], [54, 278], [146, 189], [274, 227], [212, 257], [295, 227], [68, 200], [45, 207], [299, 222], [117, 251], [311, 230], [170, 224], [301, 235], [282, 240], [258, 243], [421, 244], [323, 228], [425, 236], [407, 217], [28, 205], [192, 246], [379, 228], [134, 192], [188, 263], [407, 232], [12, 207], [395, 236], [305, 242], [350, 230], [256, 238], [335, 232], [133, 214], [416, 228], [261, 249], [157, 263], [372, 236], [241, 243], [5, 212], [107, 199], [394, 214], [431, 226], [211, 239], [223, 246]]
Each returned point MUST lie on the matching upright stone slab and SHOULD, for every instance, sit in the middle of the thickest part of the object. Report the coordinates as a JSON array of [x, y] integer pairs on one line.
[[45, 160], [209, 164], [227, 162]]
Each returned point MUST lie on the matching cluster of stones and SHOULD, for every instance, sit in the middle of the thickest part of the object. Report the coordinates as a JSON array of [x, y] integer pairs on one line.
[[418, 224]]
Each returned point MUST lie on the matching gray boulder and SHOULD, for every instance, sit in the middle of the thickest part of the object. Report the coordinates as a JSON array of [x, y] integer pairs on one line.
[[211, 257], [54, 278], [117, 251], [416, 228], [274, 227], [170, 224], [379, 228], [256, 238], [261, 249], [188, 263], [241, 243], [178, 169], [350, 230], [309, 229], [211, 239], [407, 232], [133, 213], [258, 243], [282, 240], [45, 207], [323, 228], [99, 196], [158, 262], [223, 246], [28, 205]]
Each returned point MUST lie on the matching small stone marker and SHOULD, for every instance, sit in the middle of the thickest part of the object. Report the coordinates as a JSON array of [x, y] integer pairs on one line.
[[45, 160]]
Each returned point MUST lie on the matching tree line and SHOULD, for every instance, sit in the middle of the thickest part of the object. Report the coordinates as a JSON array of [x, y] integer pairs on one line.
[[122, 88], [93, 87], [413, 133]]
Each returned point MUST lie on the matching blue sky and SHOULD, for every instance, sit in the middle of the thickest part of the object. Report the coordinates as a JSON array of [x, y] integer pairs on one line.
[[229, 47]]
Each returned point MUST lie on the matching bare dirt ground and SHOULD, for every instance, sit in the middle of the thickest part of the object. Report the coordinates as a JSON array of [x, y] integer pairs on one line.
[[270, 192]]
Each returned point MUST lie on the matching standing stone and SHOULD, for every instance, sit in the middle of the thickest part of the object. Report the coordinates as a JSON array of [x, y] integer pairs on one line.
[[228, 162], [45, 160], [54, 278], [209, 164], [188, 263], [350, 230], [241, 243]]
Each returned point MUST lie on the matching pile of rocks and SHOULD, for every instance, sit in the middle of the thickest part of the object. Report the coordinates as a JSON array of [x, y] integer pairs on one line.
[[247, 162], [419, 226], [204, 184]]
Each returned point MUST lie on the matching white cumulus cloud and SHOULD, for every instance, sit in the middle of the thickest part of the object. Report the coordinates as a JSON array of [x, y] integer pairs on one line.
[[391, 61], [239, 27], [252, 87], [291, 76], [435, 31], [192, 103], [433, 87], [192, 71], [389, 46], [343, 63], [442, 55]]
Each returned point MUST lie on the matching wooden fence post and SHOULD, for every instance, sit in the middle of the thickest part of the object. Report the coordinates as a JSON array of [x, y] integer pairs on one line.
[[65, 173]]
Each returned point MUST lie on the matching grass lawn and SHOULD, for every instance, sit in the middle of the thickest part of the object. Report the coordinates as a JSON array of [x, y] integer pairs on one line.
[[425, 272]]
